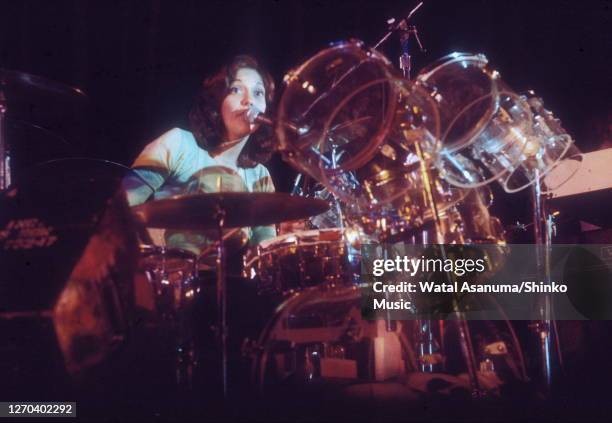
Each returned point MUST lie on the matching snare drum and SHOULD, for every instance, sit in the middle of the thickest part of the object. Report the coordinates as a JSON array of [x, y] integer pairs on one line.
[[306, 258]]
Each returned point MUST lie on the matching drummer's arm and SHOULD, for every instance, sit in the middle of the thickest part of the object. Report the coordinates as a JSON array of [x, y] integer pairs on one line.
[[152, 167], [141, 184]]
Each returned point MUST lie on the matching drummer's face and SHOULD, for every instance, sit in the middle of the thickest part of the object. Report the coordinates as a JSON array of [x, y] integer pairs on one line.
[[246, 90]]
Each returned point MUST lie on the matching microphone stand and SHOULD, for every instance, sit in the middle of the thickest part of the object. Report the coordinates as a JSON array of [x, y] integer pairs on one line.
[[401, 25], [427, 343], [221, 300]]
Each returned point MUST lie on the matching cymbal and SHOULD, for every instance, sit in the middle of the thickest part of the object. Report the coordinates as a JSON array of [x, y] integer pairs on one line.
[[27, 84], [199, 211]]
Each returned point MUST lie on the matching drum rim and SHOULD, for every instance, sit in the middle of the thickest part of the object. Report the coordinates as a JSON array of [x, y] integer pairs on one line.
[[452, 58], [148, 250], [254, 256], [345, 45], [355, 47], [449, 59]]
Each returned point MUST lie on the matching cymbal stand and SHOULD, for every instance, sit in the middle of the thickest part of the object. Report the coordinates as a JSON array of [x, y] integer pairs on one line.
[[426, 344], [544, 328], [5, 159], [425, 326], [221, 299], [405, 62], [337, 206]]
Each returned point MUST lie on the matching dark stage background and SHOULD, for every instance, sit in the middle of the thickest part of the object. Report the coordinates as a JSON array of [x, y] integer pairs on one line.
[[140, 62]]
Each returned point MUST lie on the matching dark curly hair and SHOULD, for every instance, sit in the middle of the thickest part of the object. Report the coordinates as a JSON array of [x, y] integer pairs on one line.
[[205, 116]]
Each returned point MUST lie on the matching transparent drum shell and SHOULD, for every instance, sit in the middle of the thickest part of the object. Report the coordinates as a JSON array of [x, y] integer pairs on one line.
[[466, 223], [386, 191], [485, 126], [320, 338], [549, 144], [495, 150], [409, 209], [292, 262], [310, 96], [385, 176], [454, 82]]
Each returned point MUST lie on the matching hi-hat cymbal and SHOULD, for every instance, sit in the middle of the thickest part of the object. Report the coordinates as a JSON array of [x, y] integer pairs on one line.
[[200, 211]]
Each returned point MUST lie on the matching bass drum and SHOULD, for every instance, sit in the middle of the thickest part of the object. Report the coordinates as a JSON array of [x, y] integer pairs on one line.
[[319, 335], [318, 343]]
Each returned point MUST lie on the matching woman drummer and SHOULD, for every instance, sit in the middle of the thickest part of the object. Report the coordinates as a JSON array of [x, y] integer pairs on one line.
[[223, 151]]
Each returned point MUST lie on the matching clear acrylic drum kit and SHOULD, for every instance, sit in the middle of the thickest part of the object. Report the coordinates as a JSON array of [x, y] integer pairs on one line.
[[401, 161]]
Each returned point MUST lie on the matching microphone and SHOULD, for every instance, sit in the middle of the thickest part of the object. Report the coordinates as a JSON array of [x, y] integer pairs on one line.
[[254, 115]]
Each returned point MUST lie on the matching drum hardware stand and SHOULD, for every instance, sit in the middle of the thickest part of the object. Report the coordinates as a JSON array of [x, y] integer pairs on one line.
[[428, 352], [427, 346], [464, 332], [5, 159], [425, 326], [543, 227], [186, 356], [221, 299], [405, 60], [390, 325], [296, 190], [335, 200], [402, 25]]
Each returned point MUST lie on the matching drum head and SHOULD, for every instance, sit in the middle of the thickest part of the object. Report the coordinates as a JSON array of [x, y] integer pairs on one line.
[[456, 81], [312, 91], [550, 144], [497, 148]]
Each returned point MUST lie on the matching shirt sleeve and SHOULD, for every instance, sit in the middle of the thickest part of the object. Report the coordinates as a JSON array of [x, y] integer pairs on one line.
[[264, 183], [158, 161]]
